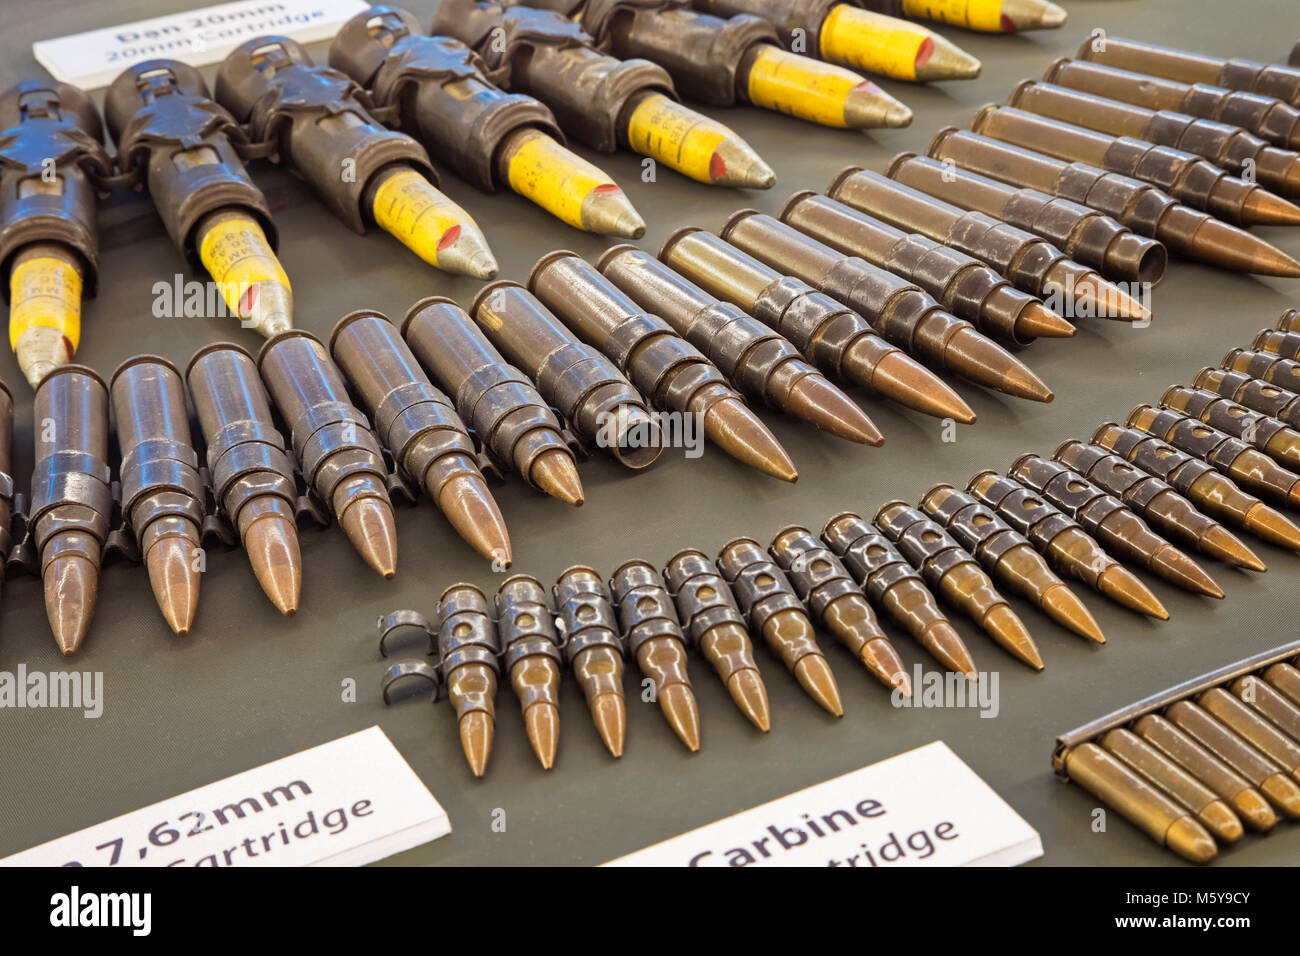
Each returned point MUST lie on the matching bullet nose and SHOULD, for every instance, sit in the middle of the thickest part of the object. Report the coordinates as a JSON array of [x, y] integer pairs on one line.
[[369, 525], [71, 587]]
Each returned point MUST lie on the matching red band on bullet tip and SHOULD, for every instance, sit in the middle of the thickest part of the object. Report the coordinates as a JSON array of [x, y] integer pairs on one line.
[[717, 166], [925, 52], [248, 300], [606, 188], [448, 237], [868, 86], [1008, 25]]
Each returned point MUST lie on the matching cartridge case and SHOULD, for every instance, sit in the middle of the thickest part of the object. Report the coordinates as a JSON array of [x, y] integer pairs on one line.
[[1253, 727], [703, 599], [593, 649], [167, 125], [494, 398], [336, 451], [1282, 372], [530, 654], [960, 283], [1271, 436], [316, 120], [588, 390], [6, 476], [1184, 176], [1263, 698], [469, 651], [761, 589], [71, 498], [787, 16], [1251, 392], [1232, 148], [1277, 342], [659, 362], [543, 53], [1265, 116], [439, 88], [1091, 236], [1267, 79], [1288, 321]]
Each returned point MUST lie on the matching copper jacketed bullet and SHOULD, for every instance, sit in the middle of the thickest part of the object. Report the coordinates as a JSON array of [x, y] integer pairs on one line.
[[6, 476], [714, 624], [1265, 116], [530, 649], [1261, 697], [468, 648], [1027, 260], [672, 372], [1138, 205], [1248, 803], [1232, 148], [72, 502], [1253, 727], [1008, 557], [337, 453], [497, 400], [249, 466], [1232, 456], [162, 495], [1269, 777], [953, 574], [759, 361], [1112, 523], [1164, 508], [1286, 678], [653, 635], [1065, 544], [834, 337], [415, 421], [902, 313], [594, 650], [1149, 763], [1273, 437], [960, 283], [837, 604], [765, 597], [1254, 393], [896, 588], [600, 405], [1090, 236], [1184, 176], [1216, 494]]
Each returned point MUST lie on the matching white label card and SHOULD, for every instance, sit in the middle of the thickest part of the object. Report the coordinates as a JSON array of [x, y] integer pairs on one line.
[[197, 37], [924, 807], [345, 803]]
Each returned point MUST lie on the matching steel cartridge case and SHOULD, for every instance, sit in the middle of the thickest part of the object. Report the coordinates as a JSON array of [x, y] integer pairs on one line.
[[1277, 342], [1274, 369], [593, 648], [530, 654], [1271, 436], [470, 667], [1251, 392], [588, 390]]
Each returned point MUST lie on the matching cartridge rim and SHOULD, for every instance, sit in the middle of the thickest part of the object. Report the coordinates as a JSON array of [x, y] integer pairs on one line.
[[613, 251], [85, 370], [1014, 96], [5, 388], [459, 585], [349, 319], [683, 552], [498, 284], [1054, 68], [147, 358], [630, 562], [901, 158], [734, 219], [978, 119], [542, 263], [734, 542], [947, 131], [421, 304], [275, 340], [213, 347], [791, 527], [519, 577], [842, 175], [676, 236], [795, 198], [888, 504], [842, 516], [574, 568]]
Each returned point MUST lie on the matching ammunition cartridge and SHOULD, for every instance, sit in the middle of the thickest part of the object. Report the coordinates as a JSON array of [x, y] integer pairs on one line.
[[1277, 342], [1265, 116], [593, 649], [1089, 236], [1261, 697], [898, 310], [587, 389], [1008, 557], [416, 422], [530, 649], [895, 587], [251, 474], [1271, 436], [960, 283], [836, 603], [1286, 678], [494, 398], [1135, 204], [1004, 16], [72, 502], [162, 495], [1232, 456], [1254, 728], [1282, 372], [1165, 509], [1289, 321], [1267, 79], [654, 636], [765, 597], [953, 574], [338, 455], [6, 477], [1234, 149], [1251, 392], [713, 623], [468, 649]]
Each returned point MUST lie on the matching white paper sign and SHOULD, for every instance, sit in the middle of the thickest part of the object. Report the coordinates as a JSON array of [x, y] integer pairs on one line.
[[351, 801], [921, 808], [197, 37]]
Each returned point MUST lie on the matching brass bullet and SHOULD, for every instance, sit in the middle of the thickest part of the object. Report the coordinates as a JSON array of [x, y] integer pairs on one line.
[[1248, 803], [593, 650], [1140, 802], [1269, 435], [765, 597], [1008, 557], [1286, 678], [1254, 728], [1144, 760], [468, 648], [715, 625], [531, 654], [1262, 698], [956, 577], [654, 636], [1118, 529], [895, 586], [836, 603]]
